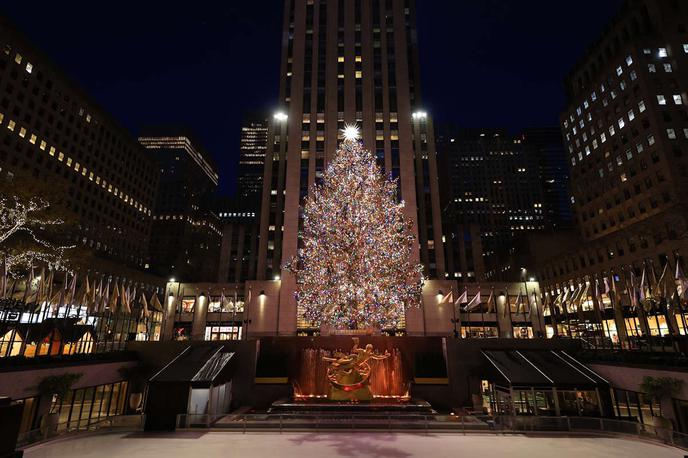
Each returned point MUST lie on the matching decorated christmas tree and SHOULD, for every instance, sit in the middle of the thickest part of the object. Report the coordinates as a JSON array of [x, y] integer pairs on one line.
[[355, 268]]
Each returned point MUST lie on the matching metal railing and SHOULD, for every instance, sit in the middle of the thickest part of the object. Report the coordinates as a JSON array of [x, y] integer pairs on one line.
[[428, 423], [113, 423]]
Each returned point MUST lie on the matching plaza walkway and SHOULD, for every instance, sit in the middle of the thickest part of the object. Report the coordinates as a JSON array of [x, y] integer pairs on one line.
[[350, 445]]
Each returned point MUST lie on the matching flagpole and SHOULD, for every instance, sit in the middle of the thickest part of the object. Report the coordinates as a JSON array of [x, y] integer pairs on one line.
[[482, 316], [496, 312], [508, 307], [677, 259]]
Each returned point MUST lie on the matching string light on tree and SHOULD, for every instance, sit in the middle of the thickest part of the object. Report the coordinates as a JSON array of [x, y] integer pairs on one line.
[[354, 270]]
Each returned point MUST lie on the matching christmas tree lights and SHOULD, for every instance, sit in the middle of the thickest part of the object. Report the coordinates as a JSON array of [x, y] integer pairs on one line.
[[355, 267]]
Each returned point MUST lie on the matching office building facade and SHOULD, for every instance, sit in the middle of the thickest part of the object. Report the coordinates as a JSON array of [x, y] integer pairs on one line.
[[626, 135], [187, 230], [51, 130], [252, 148], [346, 62]]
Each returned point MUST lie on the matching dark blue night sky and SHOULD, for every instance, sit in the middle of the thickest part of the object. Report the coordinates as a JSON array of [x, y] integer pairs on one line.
[[493, 63]]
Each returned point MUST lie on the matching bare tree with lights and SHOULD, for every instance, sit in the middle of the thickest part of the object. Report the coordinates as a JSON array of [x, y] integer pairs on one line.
[[355, 268], [28, 228]]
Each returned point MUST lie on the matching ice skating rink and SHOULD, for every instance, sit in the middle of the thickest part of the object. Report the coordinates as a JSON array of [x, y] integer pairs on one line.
[[350, 445]]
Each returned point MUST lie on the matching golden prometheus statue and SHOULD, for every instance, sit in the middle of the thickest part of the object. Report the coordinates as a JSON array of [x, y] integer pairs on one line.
[[349, 375]]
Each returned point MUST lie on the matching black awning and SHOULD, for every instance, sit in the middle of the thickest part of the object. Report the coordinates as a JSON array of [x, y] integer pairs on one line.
[[540, 369], [202, 365]]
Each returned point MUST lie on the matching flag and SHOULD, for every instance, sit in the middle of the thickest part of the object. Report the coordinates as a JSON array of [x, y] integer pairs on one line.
[[680, 280], [571, 306], [475, 302], [155, 303], [3, 280], [463, 298], [447, 299], [632, 293], [113, 299], [557, 301], [583, 296], [490, 301], [519, 302], [70, 294], [81, 297], [532, 303], [126, 299], [48, 293], [27, 288], [643, 285], [40, 291], [144, 305], [95, 295]]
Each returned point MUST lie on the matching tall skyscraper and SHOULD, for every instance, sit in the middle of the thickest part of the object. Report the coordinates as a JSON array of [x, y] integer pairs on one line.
[[347, 62], [492, 180], [253, 145], [239, 247], [626, 135], [546, 145], [53, 131], [187, 231]]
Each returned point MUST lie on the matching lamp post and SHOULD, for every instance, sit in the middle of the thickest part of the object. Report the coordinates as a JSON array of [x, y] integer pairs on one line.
[[524, 273]]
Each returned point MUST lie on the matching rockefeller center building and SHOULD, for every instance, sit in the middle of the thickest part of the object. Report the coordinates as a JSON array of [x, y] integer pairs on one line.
[[352, 62], [626, 133]]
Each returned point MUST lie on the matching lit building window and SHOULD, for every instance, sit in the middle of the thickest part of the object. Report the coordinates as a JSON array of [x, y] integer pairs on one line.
[[667, 68], [631, 115], [641, 106], [661, 100], [29, 67], [619, 70], [671, 133], [18, 58], [10, 125], [650, 140], [22, 132], [622, 123], [677, 99], [662, 52], [685, 48], [629, 60], [651, 68]]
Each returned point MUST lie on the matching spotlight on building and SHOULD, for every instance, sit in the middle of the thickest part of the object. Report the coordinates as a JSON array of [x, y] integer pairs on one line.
[[277, 277], [262, 293], [172, 280], [419, 115], [440, 295], [531, 279], [280, 116]]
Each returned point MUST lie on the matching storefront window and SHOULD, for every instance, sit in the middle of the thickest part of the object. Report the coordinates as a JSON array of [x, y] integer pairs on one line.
[[523, 332], [188, 304], [223, 332], [84, 406], [10, 343]]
